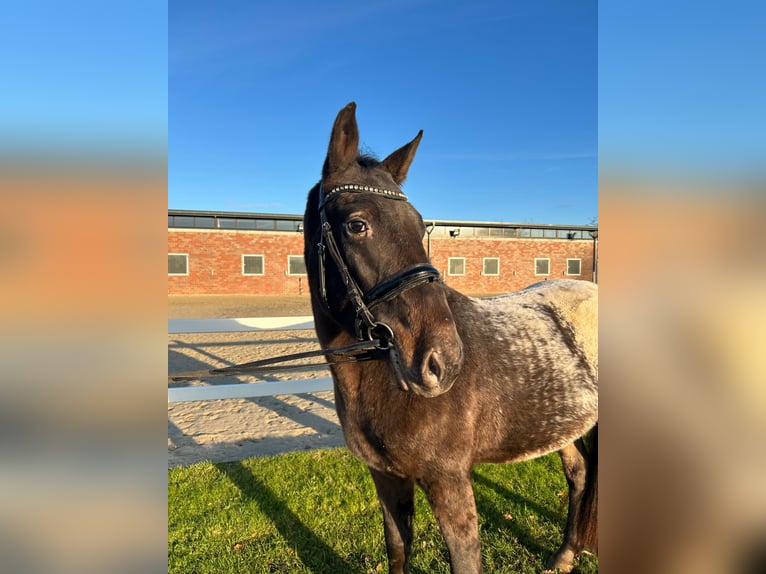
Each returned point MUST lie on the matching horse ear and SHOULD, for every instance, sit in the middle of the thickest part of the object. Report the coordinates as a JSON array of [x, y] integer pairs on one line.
[[344, 141], [398, 163]]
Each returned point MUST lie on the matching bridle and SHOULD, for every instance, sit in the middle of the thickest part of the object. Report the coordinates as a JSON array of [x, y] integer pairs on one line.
[[375, 338], [366, 327]]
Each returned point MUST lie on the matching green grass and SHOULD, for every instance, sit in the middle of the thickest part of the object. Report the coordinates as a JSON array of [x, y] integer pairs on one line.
[[318, 512]]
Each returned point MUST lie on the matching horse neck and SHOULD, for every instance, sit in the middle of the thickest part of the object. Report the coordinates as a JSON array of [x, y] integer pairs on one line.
[[329, 330]]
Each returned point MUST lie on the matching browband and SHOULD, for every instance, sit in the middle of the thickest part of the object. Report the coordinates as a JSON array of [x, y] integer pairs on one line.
[[354, 188]]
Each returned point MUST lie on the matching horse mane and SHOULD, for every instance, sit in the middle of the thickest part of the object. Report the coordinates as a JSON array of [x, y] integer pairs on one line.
[[365, 160]]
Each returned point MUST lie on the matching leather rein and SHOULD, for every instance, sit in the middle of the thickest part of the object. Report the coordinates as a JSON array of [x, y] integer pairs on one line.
[[375, 338], [354, 353]]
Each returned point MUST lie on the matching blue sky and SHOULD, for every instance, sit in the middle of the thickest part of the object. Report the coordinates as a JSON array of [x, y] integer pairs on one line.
[[682, 88], [84, 77], [242, 97], [506, 93]]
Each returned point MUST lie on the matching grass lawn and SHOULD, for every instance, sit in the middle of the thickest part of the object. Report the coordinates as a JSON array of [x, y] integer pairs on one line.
[[317, 512]]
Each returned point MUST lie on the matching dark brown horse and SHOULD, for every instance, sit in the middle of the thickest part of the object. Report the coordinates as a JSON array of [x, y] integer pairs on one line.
[[458, 380]]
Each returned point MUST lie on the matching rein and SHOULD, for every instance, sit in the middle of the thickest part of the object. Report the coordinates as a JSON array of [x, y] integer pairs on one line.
[[371, 350], [365, 325]]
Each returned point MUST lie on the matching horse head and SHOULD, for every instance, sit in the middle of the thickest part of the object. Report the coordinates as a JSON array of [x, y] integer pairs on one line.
[[368, 271]]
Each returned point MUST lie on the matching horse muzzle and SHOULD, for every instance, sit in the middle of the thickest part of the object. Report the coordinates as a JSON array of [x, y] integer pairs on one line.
[[435, 371]]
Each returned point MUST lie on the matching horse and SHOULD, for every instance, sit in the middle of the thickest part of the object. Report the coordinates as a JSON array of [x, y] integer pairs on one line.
[[456, 380]]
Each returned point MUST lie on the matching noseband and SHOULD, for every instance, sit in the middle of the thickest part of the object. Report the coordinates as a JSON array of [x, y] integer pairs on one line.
[[365, 325]]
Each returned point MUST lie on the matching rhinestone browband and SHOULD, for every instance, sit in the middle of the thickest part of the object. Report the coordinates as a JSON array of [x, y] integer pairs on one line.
[[367, 188]]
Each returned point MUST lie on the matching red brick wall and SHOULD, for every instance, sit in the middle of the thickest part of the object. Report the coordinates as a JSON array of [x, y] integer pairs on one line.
[[215, 262], [517, 261]]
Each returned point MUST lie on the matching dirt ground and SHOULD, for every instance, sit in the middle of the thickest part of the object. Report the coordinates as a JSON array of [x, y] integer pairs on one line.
[[232, 429], [225, 306]]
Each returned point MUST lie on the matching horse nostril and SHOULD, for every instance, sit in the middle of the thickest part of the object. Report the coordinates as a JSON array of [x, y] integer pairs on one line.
[[435, 366]]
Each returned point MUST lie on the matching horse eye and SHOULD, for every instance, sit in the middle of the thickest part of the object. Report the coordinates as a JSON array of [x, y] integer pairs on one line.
[[357, 226]]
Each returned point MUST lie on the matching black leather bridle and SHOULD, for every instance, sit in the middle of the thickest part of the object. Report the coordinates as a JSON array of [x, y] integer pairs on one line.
[[376, 339], [366, 327]]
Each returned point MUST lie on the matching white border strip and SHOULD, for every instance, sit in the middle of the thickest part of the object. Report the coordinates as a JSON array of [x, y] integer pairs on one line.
[[248, 390], [177, 326]]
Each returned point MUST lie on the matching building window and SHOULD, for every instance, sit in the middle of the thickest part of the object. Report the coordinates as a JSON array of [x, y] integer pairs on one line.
[[243, 223], [296, 265], [542, 266], [183, 221], [287, 225], [178, 263], [569, 234], [574, 267], [208, 222], [491, 266], [456, 266], [252, 265]]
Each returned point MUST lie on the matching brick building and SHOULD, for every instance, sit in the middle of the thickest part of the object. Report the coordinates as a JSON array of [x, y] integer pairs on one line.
[[222, 253]]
